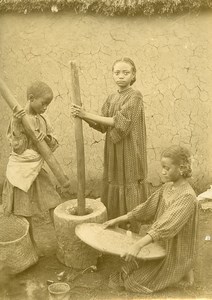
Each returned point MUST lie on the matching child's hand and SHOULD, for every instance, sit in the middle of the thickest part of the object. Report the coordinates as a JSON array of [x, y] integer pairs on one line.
[[19, 114], [132, 253], [77, 111]]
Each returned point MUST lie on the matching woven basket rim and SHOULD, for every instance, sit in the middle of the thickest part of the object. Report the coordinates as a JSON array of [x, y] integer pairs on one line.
[[91, 234], [59, 284], [25, 234]]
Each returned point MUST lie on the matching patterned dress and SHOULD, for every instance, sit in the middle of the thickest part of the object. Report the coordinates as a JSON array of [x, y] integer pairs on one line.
[[125, 158], [41, 195], [174, 212]]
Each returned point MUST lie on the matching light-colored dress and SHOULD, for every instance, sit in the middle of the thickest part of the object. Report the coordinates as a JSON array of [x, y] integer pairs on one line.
[[28, 189], [125, 157], [174, 213]]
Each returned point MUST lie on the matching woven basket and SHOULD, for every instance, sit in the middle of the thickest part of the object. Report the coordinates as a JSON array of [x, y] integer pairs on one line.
[[59, 291], [16, 249]]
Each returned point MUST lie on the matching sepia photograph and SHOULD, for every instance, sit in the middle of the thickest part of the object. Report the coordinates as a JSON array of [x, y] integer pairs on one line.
[[106, 149]]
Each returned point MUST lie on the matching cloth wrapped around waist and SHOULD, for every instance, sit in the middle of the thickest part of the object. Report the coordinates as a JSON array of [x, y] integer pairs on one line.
[[22, 169]]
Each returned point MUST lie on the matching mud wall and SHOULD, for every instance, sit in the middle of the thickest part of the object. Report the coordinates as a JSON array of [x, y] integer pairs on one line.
[[174, 69]]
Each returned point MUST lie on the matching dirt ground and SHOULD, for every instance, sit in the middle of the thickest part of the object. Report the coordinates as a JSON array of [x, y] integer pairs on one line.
[[32, 284]]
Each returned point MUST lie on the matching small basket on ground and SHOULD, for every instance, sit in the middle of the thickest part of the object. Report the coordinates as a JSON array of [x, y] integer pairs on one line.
[[16, 249], [59, 291]]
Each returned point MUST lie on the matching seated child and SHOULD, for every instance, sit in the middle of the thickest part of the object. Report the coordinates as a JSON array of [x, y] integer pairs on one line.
[[27, 189], [174, 215]]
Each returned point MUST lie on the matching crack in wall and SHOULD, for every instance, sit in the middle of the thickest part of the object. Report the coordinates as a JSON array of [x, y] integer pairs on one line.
[[174, 67]]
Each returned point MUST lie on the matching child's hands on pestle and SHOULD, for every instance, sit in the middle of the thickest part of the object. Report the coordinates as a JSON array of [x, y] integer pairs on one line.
[[77, 111]]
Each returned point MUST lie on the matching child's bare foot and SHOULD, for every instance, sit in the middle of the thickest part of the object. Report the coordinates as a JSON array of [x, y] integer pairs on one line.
[[188, 280]]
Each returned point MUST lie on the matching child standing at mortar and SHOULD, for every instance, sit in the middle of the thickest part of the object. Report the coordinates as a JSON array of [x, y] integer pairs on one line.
[[125, 158], [173, 210], [27, 189]]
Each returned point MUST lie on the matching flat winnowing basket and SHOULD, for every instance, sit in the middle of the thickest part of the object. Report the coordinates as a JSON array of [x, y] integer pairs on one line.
[[16, 249], [116, 241]]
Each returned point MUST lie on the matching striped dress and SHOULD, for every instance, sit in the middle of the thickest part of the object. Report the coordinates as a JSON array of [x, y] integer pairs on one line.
[[125, 157], [174, 213], [42, 195]]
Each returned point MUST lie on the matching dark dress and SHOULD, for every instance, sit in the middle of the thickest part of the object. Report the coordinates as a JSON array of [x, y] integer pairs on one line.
[[125, 157]]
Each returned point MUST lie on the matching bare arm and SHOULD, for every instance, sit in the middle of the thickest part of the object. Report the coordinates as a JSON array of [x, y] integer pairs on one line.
[[108, 121], [78, 111]]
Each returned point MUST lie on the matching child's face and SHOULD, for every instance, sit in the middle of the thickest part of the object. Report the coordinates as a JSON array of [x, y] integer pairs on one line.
[[39, 105], [170, 171], [122, 74]]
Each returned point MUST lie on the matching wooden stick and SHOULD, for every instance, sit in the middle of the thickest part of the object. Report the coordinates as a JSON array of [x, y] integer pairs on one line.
[[42, 147], [76, 99]]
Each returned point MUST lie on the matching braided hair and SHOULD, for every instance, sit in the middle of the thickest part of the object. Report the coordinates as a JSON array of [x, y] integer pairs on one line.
[[181, 157], [130, 62]]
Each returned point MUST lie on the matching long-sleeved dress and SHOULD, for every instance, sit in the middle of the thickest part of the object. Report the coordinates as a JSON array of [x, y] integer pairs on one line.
[[125, 157], [174, 213], [28, 189]]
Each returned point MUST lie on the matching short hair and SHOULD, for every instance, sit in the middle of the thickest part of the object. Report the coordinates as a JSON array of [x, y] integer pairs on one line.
[[181, 157], [38, 89], [130, 62]]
